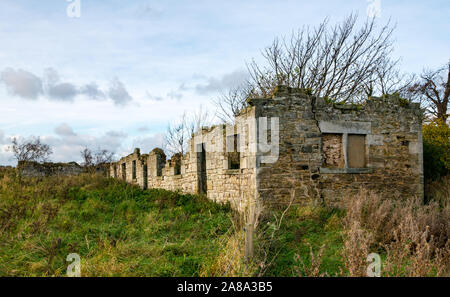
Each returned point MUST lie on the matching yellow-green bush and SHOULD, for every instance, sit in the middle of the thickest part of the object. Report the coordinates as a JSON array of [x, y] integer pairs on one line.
[[436, 149]]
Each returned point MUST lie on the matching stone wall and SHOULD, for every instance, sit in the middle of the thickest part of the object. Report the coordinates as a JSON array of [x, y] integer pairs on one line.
[[35, 169], [322, 151], [214, 178], [391, 151]]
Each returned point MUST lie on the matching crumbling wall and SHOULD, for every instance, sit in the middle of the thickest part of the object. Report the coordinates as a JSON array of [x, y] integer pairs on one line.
[[35, 169], [295, 173], [330, 150], [323, 151], [383, 150], [218, 181]]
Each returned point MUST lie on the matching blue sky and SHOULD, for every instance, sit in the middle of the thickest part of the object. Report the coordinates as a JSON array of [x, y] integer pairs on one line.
[[116, 76]]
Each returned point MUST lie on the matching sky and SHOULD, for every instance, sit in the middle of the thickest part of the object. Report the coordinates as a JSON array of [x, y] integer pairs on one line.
[[114, 74]]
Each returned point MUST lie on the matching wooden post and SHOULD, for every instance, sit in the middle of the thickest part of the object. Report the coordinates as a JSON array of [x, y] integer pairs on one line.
[[248, 250]]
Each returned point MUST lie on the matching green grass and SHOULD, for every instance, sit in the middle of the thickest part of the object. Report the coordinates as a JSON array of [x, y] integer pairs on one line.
[[121, 230], [117, 229], [303, 227]]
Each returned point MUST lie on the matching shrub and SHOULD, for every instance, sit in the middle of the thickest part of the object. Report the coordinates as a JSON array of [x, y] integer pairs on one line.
[[436, 148]]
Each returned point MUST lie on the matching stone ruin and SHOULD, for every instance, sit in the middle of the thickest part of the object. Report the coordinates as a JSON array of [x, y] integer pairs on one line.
[[46, 169], [35, 169], [294, 145]]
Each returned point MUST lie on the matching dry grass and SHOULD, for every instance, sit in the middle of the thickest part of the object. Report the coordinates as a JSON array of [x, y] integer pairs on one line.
[[312, 270], [414, 237], [438, 190], [229, 262]]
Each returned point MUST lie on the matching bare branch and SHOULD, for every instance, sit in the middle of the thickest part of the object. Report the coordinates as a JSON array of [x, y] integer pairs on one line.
[[432, 90], [341, 63], [30, 150]]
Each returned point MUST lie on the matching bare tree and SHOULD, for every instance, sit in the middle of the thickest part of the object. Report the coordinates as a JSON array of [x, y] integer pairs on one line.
[[96, 158], [88, 159], [178, 133], [103, 156], [432, 90], [333, 62], [341, 63], [30, 150], [387, 80], [176, 137], [230, 103]]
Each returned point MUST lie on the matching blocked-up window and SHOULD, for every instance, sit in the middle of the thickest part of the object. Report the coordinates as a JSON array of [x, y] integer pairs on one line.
[[340, 150], [333, 150], [356, 152], [134, 169], [115, 171], [234, 157]]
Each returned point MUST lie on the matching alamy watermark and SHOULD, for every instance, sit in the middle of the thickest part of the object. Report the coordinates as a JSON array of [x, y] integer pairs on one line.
[[74, 9], [74, 268], [253, 136], [374, 268]]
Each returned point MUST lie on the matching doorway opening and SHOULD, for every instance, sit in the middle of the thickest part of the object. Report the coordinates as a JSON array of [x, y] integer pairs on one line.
[[202, 176]]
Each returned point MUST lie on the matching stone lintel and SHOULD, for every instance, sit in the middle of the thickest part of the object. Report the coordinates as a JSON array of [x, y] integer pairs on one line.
[[345, 127]]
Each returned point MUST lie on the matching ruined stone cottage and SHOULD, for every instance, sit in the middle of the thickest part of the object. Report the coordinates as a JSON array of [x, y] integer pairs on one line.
[[294, 145]]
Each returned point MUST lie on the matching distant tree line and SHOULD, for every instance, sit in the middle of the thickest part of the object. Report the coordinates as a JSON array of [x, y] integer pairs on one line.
[[34, 150]]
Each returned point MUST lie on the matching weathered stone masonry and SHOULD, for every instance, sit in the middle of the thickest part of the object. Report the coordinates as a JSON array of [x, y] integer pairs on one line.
[[35, 169], [325, 151]]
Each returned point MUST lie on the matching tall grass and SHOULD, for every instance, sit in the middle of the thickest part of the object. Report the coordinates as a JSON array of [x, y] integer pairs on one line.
[[412, 237], [117, 229], [120, 230]]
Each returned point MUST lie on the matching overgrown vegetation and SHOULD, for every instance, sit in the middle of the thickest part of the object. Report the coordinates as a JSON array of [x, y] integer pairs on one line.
[[436, 148], [411, 237], [121, 230], [116, 228]]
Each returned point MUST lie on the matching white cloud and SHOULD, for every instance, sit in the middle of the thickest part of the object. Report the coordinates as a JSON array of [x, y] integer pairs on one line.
[[211, 39], [118, 93], [92, 91], [227, 81], [2, 136], [5, 154], [22, 83], [68, 144], [63, 91], [29, 86], [148, 143], [64, 130]]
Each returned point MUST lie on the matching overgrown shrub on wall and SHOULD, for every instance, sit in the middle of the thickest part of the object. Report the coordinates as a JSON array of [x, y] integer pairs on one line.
[[436, 149]]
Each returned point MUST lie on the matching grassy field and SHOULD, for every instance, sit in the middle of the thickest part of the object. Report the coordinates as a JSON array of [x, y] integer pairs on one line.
[[121, 230], [117, 229]]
